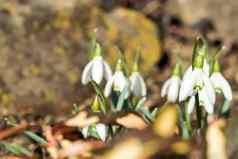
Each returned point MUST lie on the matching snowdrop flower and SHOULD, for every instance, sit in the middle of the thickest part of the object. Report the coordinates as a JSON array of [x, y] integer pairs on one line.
[[101, 131], [137, 83], [100, 128], [171, 86], [198, 82], [138, 87], [117, 82], [220, 84], [96, 69]]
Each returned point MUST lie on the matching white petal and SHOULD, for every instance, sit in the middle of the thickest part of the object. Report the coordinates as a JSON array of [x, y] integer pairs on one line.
[[188, 72], [138, 87], [173, 89], [209, 88], [120, 81], [84, 132], [191, 104], [198, 76], [219, 82], [97, 70], [101, 131], [86, 75], [206, 67], [143, 86], [165, 87], [107, 71], [108, 87], [187, 85], [205, 101]]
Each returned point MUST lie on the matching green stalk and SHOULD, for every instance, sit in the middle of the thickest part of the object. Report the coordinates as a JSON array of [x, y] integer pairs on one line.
[[198, 112], [184, 122], [187, 118]]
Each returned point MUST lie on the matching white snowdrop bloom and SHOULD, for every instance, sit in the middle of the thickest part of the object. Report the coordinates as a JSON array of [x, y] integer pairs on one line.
[[96, 70], [171, 88], [101, 131], [221, 85], [117, 83], [137, 84], [84, 131], [197, 81]]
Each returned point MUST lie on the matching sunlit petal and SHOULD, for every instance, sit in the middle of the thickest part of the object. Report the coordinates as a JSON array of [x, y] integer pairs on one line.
[[205, 101], [120, 81], [138, 87], [84, 132], [173, 89], [187, 85], [97, 70], [206, 67], [197, 74], [188, 72], [108, 87], [107, 71], [165, 86], [86, 75], [101, 131], [209, 88], [143, 86], [219, 82], [191, 104]]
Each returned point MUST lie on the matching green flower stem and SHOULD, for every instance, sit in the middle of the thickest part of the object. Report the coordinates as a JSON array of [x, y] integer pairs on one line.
[[204, 124], [184, 123], [198, 112], [187, 118]]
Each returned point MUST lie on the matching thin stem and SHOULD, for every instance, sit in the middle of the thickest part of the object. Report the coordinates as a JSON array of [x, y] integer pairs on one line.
[[198, 112], [184, 123], [187, 118]]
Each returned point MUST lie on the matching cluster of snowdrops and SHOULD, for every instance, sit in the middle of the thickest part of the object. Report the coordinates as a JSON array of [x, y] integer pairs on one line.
[[193, 90]]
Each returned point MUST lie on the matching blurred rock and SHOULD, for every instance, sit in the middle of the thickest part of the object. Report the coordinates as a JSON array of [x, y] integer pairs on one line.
[[129, 31], [224, 14], [44, 44]]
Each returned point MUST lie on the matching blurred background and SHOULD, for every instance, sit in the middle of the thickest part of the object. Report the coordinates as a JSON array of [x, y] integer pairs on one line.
[[44, 45]]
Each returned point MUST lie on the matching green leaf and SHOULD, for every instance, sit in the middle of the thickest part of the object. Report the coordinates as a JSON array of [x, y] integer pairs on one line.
[[225, 109], [147, 114], [140, 104], [102, 98], [35, 137], [122, 98], [154, 112], [17, 149]]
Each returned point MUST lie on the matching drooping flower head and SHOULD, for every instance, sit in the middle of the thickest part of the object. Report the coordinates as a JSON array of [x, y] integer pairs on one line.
[[172, 85], [196, 81], [98, 130], [220, 84], [118, 81], [97, 68], [137, 83]]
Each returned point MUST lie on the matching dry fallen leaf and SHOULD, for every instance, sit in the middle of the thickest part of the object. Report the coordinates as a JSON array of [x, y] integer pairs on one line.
[[165, 124], [132, 121], [78, 148], [131, 148], [81, 120], [216, 141], [181, 147]]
